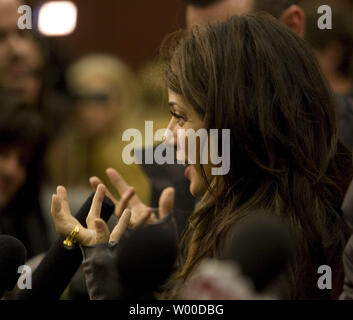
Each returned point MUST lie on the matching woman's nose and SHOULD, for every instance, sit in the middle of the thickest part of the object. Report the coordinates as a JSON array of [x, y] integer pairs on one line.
[[169, 135]]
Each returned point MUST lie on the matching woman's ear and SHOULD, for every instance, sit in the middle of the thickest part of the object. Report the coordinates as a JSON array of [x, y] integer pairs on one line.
[[294, 17]]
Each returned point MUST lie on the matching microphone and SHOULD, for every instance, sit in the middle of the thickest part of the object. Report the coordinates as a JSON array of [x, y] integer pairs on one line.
[[12, 255], [218, 280], [258, 251], [59, 265], [146, 258], [261, 247]]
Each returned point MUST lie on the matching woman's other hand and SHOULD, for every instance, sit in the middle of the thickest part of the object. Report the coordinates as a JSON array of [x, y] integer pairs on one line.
[[140, 213]]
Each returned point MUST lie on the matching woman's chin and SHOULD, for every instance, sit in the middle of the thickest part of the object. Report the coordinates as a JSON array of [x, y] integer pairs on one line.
[[196, 191]]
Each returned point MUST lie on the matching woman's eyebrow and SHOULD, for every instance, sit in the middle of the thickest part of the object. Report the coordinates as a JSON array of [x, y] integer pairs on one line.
[[172, 103]]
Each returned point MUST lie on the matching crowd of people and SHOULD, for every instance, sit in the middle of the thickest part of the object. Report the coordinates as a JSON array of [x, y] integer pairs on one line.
[[260, 68]]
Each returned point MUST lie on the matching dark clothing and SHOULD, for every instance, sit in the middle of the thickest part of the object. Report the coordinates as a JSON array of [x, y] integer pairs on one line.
[[100, 272], [27, 226], [347, 206], [100, 265], [102, 279], [347, 209], [347, 293], [345, 119]]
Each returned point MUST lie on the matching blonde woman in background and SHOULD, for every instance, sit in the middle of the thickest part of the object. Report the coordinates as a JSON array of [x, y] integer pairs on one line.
[[107, 103]]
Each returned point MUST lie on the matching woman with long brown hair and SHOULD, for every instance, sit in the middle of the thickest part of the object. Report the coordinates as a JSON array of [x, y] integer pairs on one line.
[[255, 77]]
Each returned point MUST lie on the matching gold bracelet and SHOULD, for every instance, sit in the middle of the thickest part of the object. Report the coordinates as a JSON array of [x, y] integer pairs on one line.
[[71, 239]]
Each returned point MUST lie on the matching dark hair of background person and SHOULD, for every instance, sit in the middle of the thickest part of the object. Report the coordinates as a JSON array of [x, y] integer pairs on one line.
[[22, 218], [201, 3], [54, 102], [285, 153], [275, 7]]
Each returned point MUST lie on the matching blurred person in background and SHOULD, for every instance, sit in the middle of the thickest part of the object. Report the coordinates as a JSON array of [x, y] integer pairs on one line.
[[153, 93], [333, 47], [21, 59], [334, 51], [27, 76], [106, 103], [106, 96], [27, 71], [293, 14], [22, 143]]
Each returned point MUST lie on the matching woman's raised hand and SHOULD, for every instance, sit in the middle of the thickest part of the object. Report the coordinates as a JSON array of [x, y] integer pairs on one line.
[[140, 213], [97, 230]]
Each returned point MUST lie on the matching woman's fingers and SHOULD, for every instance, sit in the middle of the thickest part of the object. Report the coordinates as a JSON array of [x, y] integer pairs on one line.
[[166, 202], [56, 209], [62, 194], [64, 222], [120, 184], [96, 206], [153, 218], [140, 219], [122, 225], [124, 201], [95, 182], [102, 231]]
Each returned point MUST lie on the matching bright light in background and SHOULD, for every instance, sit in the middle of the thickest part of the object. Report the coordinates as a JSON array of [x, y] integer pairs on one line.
[[57, 18]]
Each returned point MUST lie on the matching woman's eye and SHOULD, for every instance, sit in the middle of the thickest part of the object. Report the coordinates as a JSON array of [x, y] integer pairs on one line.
[[180, 119]]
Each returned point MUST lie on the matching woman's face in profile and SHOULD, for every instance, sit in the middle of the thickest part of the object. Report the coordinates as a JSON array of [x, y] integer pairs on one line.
[[185, 117]]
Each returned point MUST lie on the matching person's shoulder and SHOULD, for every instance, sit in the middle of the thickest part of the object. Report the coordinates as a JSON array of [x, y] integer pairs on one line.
[[347, 206], [344, 104], [344, 110]]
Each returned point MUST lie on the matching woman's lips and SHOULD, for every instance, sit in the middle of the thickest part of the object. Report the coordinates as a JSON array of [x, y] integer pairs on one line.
[[186, 172]]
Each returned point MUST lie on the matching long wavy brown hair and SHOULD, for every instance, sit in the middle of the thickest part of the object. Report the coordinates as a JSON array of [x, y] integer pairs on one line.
[[255, 76]]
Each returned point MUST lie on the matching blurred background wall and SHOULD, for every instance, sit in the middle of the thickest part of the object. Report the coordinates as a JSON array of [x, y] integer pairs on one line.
[[132, 29]]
